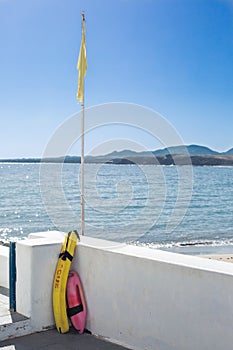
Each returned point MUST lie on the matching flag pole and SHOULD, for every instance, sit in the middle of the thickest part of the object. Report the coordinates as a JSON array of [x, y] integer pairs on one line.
[[82, 175], [82, 67]]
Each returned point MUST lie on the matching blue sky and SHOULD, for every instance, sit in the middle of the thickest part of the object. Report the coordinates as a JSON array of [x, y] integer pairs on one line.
[[174, 56]]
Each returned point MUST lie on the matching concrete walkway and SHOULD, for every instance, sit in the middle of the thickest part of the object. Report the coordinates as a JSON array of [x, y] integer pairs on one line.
[[11, 322], [52, 340], [49, 340], [5, 316]]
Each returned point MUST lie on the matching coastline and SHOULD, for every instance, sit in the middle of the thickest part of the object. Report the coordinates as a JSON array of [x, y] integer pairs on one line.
[[220, 257], [222, 253], [202, 249], [149, 159]]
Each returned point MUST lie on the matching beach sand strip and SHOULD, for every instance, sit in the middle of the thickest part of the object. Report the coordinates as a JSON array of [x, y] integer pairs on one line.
[[220, 257]]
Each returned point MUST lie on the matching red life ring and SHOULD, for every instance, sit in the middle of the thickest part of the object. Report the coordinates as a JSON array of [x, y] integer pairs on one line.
[[76, 304]]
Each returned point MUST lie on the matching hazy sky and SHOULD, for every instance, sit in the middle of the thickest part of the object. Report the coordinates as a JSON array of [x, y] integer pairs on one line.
[[174, 56]]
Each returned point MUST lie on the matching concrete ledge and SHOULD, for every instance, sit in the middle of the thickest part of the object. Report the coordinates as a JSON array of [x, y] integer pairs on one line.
[[16, 329], [137, 297], [4, 266]]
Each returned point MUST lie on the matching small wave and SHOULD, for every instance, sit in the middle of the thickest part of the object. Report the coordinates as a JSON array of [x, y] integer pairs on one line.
[[140, 198]]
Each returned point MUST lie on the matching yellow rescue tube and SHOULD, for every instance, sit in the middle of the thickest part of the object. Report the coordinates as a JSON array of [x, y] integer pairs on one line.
[[60, 281]]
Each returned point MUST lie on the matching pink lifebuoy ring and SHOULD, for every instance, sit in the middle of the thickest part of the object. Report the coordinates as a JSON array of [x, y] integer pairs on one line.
[[76, 304]]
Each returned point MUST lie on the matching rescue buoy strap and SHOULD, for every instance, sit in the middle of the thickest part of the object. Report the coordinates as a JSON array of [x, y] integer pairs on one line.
[[65, 255], [74, 310]]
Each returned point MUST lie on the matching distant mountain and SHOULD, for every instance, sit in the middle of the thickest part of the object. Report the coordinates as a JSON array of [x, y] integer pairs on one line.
[[192, 150], [120, 154], [175, 150], [230, 151], [127, 153]]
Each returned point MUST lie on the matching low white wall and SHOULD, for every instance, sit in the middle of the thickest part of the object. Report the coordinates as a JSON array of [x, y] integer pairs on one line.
[[138, 297], [4, 266]]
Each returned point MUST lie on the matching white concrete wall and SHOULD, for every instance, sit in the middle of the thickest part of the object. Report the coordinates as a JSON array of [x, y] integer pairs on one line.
[[4, 266], [139, 297], [36, 263]]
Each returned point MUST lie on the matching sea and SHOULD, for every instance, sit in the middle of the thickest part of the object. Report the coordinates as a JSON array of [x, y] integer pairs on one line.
[[177, 208]]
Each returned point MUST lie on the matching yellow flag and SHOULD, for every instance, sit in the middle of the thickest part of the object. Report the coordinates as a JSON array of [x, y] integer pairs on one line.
[[82, 64]]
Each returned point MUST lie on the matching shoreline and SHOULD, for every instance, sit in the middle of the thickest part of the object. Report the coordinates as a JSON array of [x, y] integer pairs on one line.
[[222, 253], [220, 257], [202, 250]]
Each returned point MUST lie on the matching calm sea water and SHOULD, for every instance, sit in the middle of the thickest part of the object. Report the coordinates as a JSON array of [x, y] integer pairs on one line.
[[161, 207]]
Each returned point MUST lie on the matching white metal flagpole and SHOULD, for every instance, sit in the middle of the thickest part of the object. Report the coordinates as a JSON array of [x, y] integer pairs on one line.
[[82, 176]]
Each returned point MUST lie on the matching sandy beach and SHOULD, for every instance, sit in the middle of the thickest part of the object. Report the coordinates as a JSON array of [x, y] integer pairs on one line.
[[220, 257]]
